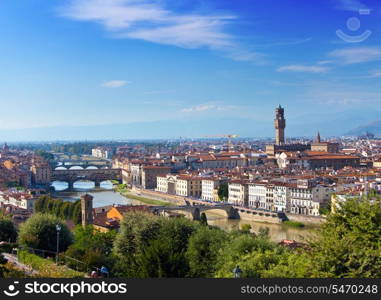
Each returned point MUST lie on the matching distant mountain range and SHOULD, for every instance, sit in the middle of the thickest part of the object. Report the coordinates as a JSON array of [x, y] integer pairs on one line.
[[373, 127], [166, 129], [329, 124]]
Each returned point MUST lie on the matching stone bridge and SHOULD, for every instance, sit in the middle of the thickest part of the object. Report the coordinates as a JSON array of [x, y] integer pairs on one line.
[[196, 210], [95, 175], [68, 163]]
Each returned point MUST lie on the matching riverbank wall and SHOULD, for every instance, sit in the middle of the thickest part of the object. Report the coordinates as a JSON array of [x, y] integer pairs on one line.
[[273, 219], [174, 199], [306, 219]]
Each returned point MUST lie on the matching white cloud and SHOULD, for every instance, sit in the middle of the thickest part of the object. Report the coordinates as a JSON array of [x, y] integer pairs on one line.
[[152, 22], [356, 55], [207, 107], [350, 5], [286, 43], [114, 83], [303, 68]]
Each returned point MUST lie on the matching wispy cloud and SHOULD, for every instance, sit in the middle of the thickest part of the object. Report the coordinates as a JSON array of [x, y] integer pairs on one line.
[[347, 98], [350, 5], [303, 68], [151, 21], [114, 83], [336, 94], [207, 107], [288, 42], [356, 55], [375, 74], [324, 62]]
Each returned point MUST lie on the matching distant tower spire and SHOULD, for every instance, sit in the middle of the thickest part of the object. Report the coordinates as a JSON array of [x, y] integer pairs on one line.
[[318, 139], [5, 148], [280, 125]]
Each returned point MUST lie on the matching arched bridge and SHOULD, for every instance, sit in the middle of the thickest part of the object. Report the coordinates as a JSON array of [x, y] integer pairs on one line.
[[68, 163], [196, 210], [95, 175]]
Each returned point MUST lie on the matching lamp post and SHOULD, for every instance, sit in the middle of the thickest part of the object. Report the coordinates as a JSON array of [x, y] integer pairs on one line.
[[237, 272], [58, 228]]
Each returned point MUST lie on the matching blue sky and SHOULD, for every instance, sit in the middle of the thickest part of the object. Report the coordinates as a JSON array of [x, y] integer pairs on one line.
[[94, 62]]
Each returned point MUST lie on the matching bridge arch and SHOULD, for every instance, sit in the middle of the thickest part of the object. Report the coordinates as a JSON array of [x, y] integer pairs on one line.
[[195, 211], [216, 212], [230, 211], [60, 168], [74, 167]]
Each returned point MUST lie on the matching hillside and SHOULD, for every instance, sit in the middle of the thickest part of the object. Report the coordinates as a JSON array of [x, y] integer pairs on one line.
[[373, 127]]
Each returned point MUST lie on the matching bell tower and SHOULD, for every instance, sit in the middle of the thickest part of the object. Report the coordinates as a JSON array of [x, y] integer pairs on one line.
[[87, 209], [280, 125]]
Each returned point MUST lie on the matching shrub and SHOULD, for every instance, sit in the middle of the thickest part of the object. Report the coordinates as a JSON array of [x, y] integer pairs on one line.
[[8, 231], [39, 232]]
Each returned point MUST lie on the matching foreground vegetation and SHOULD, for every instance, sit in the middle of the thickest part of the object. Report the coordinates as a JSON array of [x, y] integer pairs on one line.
[[63, 209], [346, 245], [293, 224], [46, 267]]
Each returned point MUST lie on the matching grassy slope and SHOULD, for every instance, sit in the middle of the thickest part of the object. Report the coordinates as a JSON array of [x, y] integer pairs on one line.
[[127, 193], [46, 267]]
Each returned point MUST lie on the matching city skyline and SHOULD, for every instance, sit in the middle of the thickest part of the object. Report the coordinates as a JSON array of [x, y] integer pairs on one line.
[[196, 67]]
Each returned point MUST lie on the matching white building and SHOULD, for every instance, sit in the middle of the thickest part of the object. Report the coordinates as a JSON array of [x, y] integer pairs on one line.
[[18, 199], [101, 152], [307, 199], [257, 195], [281, 196], [304, 197], [238, 193], [209, 189], [181, 185]]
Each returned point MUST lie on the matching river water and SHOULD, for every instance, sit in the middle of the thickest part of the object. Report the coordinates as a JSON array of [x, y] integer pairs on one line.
[[103, 196], [106, 196]]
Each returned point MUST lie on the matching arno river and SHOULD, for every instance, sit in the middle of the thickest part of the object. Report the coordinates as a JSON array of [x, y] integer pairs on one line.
[[106, 196]]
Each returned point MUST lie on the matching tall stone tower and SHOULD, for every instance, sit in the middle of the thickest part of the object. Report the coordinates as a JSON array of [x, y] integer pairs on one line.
[[280, 125], [87, 209]]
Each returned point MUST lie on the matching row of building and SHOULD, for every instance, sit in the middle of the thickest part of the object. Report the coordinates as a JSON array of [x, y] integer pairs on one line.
[[301, 196]]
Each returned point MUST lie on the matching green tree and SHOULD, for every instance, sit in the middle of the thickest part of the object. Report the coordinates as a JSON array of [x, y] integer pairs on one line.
[[91, 247], [246, 228], [76, 214], [152, 246], [65, 212], [203, 251], [62, 209], [165, 254], [3, 269], [203, 219], [348, 244], [40, 204], [252, 253], [8, 231], [39, 232], [223, 191], [136, 230], [290, 264]]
